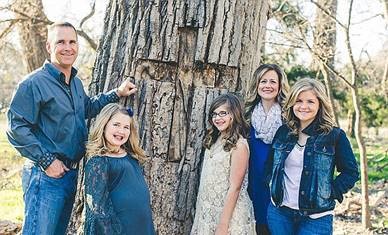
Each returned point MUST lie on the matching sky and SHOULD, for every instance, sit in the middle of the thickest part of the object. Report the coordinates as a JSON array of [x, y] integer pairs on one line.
[[368, 30], [367, 35]]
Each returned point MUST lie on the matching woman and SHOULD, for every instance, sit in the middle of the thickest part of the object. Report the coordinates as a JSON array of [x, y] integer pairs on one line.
[[306, 152], [264, 112]]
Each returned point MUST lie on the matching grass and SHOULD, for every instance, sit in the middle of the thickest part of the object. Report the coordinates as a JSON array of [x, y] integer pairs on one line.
[[11, 199], [377, 156]]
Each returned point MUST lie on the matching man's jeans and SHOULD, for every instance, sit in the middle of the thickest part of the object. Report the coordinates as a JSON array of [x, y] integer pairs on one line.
[[286, 221], [48, 201]]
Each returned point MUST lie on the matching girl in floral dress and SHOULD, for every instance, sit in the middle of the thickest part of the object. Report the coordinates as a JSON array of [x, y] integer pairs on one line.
[[223, 204]]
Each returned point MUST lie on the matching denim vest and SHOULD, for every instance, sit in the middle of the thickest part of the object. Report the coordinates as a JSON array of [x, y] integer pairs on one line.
[[323, 153]]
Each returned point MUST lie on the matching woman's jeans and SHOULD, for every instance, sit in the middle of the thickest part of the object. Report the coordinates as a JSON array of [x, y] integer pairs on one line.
[[286, 221], [48, 201]]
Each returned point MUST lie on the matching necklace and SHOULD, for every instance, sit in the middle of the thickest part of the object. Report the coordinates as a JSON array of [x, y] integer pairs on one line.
[[299, 146]]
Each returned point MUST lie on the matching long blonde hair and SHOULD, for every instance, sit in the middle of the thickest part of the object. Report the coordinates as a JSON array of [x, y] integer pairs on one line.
[[96, 144], [253, 97], [324, 115]]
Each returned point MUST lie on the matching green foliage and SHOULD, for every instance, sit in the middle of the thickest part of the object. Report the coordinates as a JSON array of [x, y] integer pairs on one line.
[[377, 159], [298, 72], [374, 108]]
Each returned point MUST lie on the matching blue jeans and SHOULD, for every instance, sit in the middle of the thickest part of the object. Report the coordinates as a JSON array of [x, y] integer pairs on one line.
[[48, 201], [286, 221]]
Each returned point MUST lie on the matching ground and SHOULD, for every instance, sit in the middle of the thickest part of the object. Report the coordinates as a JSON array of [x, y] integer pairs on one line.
[[347, 214]]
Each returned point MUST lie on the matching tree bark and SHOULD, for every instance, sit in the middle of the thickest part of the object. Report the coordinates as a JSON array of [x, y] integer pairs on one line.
[[181, 54], [32, 32], [325, 32]]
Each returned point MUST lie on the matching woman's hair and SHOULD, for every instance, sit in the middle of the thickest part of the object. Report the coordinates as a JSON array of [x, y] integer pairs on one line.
[[97, 145], [324, 115], [238, 125], [253, 97]]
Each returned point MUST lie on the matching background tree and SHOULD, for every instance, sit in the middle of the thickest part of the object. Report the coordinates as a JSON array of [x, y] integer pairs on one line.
[[324, 46], [30, 21], [181, 54]]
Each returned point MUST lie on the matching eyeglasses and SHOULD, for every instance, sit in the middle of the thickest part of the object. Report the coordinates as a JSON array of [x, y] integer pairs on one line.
[[220, 114]]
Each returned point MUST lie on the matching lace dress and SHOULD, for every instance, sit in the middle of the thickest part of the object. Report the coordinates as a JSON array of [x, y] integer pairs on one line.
[[212, 191], [117, 197]]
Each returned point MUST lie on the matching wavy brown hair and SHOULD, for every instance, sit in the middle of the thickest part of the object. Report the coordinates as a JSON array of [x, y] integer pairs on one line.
[[238, 127], [96, 144], [324, 116], [253, 97]]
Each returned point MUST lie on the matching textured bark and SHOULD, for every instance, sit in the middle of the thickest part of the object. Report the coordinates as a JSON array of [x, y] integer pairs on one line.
[[325, 44], [181, 54], [32, 31]]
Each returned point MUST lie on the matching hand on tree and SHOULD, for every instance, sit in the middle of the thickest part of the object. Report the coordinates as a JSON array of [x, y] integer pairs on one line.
[[56, 169], [126, 88]]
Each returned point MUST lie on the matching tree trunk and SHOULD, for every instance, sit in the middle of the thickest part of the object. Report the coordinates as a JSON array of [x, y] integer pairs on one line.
[[351, 122], [325, 32], [384, 79], [181, 55], [32, 32], [363, 162]]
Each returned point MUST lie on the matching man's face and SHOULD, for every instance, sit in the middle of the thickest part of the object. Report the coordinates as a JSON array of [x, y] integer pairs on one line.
[[62, 46]]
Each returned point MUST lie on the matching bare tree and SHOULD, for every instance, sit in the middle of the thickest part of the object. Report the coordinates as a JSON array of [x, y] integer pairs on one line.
[[30, 21], [325, 44], [384, 80], [353, 85], [181, 54]]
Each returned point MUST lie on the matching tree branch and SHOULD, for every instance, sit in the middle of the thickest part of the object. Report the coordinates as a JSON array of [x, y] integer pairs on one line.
[[328, 13], [91, 13]]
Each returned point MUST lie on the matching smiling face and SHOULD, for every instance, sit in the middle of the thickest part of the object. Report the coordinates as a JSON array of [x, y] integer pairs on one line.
[[117, 131], [222, 118], [306, 107], [62, 46], [268, 87]]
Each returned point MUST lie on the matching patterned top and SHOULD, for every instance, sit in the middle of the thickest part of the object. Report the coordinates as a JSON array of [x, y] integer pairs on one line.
[[214, 185], [117, 197]]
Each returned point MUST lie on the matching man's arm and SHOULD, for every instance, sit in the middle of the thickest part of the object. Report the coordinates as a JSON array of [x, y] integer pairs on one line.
[[94, 104], [22, 120]]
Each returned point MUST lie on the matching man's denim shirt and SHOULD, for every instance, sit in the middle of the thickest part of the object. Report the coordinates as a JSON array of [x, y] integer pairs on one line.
[[46, 118], [323, 153]]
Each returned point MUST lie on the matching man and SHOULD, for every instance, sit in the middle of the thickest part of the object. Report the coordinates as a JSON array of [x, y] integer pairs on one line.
[[47, 126]]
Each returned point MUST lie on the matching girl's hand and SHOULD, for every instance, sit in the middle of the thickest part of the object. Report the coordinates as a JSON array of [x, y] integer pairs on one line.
[[222, 229]]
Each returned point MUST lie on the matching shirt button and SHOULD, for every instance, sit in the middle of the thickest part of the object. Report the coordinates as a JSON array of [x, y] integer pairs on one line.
[[305, 213], [308, 153], [302, 192], [306, 173]]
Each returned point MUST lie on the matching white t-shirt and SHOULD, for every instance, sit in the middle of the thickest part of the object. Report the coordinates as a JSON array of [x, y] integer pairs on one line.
[[293, 167]]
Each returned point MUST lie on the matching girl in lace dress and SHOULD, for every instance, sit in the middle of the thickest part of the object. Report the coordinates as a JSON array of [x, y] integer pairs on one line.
[[117, 196], [223, 205], [264, 113]]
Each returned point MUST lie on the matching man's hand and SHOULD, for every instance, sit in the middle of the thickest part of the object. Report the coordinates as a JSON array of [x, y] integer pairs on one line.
[[126, 88], [56, 169]]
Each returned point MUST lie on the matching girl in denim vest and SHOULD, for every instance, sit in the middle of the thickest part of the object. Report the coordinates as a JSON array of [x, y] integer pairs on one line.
[[305, 153], [263, 110]]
